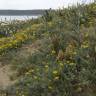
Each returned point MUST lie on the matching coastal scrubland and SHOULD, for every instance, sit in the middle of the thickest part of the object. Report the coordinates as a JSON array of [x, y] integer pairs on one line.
[[53, 55]]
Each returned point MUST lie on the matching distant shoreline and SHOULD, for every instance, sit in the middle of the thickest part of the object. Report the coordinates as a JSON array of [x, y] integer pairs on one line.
[[21, 12], [20, 15]]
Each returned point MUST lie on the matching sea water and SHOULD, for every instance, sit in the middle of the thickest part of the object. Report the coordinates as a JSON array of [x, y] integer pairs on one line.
[[10, 18]]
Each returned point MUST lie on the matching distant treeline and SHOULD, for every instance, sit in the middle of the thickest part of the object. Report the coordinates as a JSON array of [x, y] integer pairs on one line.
[[22, 12]]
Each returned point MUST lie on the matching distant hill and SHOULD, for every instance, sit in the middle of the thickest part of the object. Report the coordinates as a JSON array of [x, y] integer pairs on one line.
[[21, 12]]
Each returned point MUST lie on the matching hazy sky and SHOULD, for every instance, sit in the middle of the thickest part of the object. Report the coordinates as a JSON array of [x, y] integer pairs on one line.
[[36, 4]]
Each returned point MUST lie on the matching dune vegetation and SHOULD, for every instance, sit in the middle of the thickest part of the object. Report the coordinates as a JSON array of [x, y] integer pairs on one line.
[[53, 55]]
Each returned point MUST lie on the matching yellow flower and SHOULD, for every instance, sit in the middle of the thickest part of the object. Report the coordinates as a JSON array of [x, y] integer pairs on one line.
[[61, 64], [30, 71], [55, 72], [35, 77], [50, 87], [74, 53], [68, 62], [27, 73], [53, 51], [72, 63], [56, 78], [86, 35], [46, 66], [84, 46]]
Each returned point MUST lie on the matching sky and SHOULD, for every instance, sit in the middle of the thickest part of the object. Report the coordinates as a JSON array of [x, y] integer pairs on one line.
[[37, 4]]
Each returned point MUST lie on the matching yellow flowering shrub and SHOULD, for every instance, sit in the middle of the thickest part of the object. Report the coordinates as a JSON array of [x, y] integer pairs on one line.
[[16, 40]]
